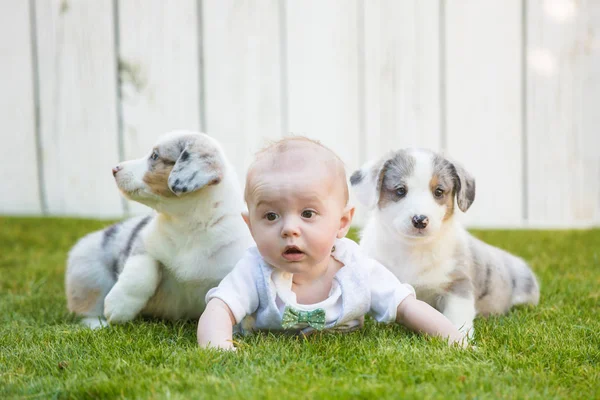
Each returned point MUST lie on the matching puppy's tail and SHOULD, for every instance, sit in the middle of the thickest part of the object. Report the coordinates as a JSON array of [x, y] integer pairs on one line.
[[525, 286]]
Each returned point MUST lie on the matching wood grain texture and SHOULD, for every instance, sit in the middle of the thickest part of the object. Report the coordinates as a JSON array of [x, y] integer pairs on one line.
[[19, 178], [563, 114], [484, 105], [509, 89], [159, 72], [78, 102], [323, 71], [242, 59], [402, 68]]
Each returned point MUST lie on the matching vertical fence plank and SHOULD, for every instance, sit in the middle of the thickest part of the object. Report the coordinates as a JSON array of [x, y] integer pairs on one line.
[[323, 71], [242, 74], [589, 113], [562, 116], [326, 76], [159, 72], [402, 83], [78, 106], [19, 179], [483, 102]]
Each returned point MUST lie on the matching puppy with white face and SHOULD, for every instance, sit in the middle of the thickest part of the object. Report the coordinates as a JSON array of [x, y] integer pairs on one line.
[[412, 230], [162, 265]]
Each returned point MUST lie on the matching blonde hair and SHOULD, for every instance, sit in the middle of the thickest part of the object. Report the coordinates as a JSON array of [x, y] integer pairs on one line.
[[284, 145]]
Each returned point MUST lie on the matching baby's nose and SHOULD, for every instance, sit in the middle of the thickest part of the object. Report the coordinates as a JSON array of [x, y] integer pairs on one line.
[[290, 228]]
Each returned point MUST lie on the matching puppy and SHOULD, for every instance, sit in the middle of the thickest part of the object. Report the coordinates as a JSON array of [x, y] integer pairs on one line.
[[413, 231], [162, 265]]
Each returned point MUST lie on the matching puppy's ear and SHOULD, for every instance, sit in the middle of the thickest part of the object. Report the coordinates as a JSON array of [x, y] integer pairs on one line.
[[196, 167], [366, 182], [465, 187]]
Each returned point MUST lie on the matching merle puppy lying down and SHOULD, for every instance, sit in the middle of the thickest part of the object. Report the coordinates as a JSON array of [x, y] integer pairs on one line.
[[162, 265], [412, 230]]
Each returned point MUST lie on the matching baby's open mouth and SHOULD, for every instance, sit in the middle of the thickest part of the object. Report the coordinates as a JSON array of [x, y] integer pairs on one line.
[[292, 250], [293, 253]]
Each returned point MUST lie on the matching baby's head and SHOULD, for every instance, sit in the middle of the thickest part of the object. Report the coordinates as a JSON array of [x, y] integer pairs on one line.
[[297, 197]]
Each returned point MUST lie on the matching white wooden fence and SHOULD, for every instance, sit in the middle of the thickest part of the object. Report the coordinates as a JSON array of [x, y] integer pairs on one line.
[[509, 87]]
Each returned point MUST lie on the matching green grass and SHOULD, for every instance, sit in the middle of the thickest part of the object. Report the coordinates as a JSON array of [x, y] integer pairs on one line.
[[550, 351]]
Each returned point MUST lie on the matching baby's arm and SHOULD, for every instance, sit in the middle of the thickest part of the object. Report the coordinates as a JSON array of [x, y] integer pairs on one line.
[[234, 298], [392, 300], [420, 316], [215, 328]]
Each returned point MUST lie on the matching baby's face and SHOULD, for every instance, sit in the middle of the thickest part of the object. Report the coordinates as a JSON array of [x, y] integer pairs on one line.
[[295, 216]]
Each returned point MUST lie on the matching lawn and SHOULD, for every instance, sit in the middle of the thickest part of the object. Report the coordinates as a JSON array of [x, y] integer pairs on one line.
[[550, 351]]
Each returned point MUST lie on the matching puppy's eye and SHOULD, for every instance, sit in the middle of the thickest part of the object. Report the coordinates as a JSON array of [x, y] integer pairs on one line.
[[308, 214], [401, 191], [154, 155], [438, 192], [271, 216]]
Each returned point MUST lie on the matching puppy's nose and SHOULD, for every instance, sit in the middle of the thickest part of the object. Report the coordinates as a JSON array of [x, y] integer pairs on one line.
[[115, 170], [420, 221]]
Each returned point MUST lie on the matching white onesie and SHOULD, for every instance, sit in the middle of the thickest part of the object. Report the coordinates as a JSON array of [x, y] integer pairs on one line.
[[361, 286]]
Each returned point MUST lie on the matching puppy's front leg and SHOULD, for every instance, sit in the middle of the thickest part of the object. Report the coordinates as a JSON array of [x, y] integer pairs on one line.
[[458, 305], [136, 284]]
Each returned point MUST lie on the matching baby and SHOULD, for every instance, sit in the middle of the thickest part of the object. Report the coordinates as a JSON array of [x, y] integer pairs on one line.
[[304, 275]]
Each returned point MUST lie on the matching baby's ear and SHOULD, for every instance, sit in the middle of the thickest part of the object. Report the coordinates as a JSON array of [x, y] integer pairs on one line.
[[345, 222], [246, 218]]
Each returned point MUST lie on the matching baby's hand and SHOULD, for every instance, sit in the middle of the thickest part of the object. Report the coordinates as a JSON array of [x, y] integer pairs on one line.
[[215, 326], [224, 345], [463, 342]]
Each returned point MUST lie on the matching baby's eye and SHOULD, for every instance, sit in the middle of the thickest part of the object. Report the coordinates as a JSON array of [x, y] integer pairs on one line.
[[271, 216], [308, 214]]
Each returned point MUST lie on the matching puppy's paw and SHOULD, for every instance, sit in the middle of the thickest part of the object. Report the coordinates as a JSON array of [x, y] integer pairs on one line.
[[119, 307], [94, 322]]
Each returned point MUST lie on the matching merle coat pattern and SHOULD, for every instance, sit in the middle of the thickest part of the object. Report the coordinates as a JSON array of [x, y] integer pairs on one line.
[[413, 230], [162, 265]]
